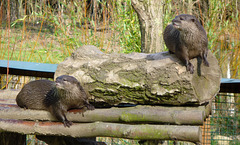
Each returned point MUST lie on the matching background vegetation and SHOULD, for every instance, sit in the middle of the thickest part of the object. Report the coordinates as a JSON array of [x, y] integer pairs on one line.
[[49, 30]]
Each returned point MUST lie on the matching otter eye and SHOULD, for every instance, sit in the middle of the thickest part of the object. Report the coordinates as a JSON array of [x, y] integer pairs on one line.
[[64, 79], [181, 18]]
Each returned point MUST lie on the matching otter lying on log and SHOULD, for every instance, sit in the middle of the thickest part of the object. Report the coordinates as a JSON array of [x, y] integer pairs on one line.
[[56, 97], [140, 78]]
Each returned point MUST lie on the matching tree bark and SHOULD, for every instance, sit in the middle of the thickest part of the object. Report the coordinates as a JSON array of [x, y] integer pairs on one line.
[[150, 15], [141, 78], [138, 114], [143, 132], [14, 10]]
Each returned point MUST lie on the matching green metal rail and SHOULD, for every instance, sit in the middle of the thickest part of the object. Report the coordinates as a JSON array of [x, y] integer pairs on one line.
[[28, 68]]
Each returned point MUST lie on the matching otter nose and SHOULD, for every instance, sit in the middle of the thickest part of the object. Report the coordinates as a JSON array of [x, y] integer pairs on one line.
[[57, 84], [175, 22]]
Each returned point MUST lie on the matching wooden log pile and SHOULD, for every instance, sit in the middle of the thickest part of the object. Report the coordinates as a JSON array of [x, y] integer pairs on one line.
[[167, 102], [139, 122]]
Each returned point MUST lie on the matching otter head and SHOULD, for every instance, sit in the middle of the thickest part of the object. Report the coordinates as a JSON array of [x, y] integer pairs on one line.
[[67, 83], [185, 22]]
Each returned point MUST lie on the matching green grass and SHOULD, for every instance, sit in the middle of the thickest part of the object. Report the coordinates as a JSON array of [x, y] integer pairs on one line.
[[30, 48]]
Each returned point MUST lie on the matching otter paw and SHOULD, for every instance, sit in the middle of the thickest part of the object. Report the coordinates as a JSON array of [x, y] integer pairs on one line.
[[205, 62], [191, 71], [190, 68], [67, 123], [90, 107]]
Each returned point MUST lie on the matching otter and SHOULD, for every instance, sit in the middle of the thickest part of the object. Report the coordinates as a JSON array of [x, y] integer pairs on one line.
[[56, 97], [187, 39]]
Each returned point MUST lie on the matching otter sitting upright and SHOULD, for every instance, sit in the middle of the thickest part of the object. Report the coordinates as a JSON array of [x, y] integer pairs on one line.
[[56, 97], [187, 38]]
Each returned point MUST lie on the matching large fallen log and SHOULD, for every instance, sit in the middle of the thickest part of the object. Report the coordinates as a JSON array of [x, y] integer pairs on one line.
[[139, 132], [138, 114], [141, 78]]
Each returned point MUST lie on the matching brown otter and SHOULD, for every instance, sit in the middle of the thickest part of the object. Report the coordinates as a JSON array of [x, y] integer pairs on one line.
[[56, 97], [187, 38]]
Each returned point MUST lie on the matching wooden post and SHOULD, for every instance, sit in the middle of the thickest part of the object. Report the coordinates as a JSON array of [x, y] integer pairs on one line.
[[206, 132]]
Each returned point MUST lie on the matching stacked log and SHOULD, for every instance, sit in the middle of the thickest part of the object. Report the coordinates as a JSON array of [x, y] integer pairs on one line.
[[139, 122]]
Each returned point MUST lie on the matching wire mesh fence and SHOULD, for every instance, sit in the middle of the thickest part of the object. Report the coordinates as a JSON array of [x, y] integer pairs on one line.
[[225, 119]]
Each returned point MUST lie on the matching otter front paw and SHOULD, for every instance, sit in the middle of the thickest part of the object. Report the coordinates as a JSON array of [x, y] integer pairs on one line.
[[67, 123], [190, 68], [205, 62], [90, 107]]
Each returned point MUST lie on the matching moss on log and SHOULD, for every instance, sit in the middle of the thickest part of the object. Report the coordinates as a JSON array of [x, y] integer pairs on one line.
[[141, 78]]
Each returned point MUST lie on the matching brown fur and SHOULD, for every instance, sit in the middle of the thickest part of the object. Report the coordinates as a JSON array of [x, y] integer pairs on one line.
[[57, 97], [187, 38]]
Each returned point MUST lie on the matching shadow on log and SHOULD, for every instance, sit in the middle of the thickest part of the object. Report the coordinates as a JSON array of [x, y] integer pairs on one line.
[[65, 140], [11, 138], [140, 78]]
